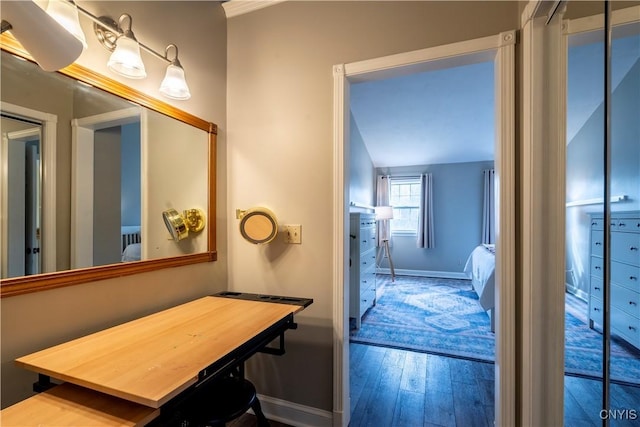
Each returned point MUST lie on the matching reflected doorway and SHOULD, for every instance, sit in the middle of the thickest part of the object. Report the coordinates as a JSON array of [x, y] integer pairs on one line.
[[21, 200]]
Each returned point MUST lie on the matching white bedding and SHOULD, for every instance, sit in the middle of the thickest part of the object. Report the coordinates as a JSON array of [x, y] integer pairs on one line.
[[131, 252], [480, 268]]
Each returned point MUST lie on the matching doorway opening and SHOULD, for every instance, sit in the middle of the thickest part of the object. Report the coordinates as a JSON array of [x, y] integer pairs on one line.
[[498, 50]]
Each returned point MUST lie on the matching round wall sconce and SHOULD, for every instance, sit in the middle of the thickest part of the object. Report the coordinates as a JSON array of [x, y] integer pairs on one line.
[[179, 226], [257, 225]]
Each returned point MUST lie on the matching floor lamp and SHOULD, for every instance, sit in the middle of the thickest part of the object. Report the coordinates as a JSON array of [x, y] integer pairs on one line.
[[385, 213]]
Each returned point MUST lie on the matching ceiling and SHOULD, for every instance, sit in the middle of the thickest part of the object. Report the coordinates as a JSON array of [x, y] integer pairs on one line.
[[441, 116], [446, 115]]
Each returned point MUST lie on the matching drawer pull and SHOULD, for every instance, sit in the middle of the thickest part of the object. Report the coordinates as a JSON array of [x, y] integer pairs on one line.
[[595, 223], [622, 224], [632, 303], [596, 309], [597, 288], [632, 328], [598, 243], [597, 267], [633, 248], [633, 278]]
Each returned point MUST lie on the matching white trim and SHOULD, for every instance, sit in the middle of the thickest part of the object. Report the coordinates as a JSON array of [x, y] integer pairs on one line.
[[451, 55], [82, 163], [424, 273], [49, 181], [503, 319], [341, 391], [240, 7], [543, 214], [110, 119], [595, 22], [584, 296], [293, 413], [501, 49]]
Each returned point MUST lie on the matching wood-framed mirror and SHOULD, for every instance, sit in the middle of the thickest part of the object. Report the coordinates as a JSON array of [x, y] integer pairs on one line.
[[169, 149]]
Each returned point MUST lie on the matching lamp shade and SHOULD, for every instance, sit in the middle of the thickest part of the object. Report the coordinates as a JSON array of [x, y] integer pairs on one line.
[[384, 212], [66, 14], [48, 42], [174, 84], [125, 59]]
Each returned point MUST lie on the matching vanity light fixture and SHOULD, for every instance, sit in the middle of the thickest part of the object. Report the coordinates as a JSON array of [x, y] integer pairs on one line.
[[41, 33], [50, 46], [174, 85], [179, 226], [66, 14], [125, 59]]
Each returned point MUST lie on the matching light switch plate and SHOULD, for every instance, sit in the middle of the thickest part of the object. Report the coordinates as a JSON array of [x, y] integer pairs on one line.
[[293, 234]]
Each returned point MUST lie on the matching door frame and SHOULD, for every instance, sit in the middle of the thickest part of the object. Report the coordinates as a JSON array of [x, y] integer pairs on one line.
[[500, 48], [82, 166], [48, 179]]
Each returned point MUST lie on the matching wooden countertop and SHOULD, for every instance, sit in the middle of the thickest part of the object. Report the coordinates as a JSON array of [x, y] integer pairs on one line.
[[152, 359], [73, 406]]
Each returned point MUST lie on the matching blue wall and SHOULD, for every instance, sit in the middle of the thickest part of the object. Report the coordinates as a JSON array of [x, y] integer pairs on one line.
[[361, 171], [585, 171], [457, 197], [130, 181]]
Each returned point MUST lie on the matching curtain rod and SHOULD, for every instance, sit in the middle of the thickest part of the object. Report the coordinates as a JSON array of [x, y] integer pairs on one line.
[[401, 176]]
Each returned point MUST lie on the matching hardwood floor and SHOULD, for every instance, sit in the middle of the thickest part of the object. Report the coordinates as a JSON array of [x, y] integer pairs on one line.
[[391, 387], [399, 388]]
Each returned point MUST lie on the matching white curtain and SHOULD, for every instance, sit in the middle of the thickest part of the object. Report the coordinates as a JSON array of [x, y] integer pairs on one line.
[[383, 188], [426, 235], [488, 208]]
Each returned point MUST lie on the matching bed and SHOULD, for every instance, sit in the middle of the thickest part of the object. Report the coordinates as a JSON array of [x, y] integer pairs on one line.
[[131, 238], [480, 268]]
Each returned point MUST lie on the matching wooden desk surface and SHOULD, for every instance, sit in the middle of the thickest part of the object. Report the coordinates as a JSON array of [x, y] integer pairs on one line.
[[73, 406], [152, 359]]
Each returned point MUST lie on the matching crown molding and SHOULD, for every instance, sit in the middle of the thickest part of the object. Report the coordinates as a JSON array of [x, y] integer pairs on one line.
[[240, 7]]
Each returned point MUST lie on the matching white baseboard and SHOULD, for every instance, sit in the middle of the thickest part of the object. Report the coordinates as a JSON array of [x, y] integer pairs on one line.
[[425, 273], [294, 414], [577, 292]]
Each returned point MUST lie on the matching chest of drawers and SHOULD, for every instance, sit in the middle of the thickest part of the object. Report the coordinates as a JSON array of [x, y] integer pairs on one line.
[[362, 271], [624, 273]]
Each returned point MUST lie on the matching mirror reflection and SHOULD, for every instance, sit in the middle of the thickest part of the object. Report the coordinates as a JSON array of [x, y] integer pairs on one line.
[[86, 175], [20, 195]]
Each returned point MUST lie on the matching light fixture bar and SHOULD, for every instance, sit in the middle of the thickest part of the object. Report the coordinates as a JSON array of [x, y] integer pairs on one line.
[[117, 32]]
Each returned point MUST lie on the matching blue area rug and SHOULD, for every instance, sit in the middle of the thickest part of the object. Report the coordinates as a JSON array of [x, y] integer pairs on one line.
[[443, 316]]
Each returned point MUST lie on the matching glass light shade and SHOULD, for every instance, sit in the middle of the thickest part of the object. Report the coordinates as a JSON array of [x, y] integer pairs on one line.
[[125, 59], [50, 45], [384, 212], [174, 84], [66, 14]]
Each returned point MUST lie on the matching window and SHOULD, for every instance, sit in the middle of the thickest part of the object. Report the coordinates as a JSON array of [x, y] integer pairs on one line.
[[405, 199]]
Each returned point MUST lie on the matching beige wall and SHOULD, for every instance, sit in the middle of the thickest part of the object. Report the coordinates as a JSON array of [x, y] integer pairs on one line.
[[277, 91], [33, 321], [280, 151]]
